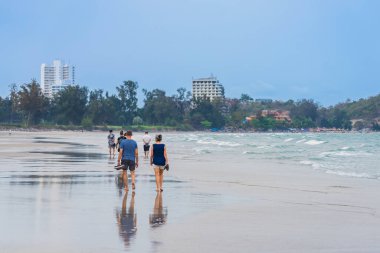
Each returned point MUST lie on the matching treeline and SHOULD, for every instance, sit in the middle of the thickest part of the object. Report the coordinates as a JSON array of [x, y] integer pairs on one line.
[[78, 106]]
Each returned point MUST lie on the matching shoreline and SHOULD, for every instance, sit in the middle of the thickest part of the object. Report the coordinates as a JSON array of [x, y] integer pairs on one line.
[[34, 129]]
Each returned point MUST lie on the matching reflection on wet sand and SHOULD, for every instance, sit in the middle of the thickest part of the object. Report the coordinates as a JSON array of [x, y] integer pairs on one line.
[[127, 220], [159, 215], [71, 154], [57, 179], [119, 183]]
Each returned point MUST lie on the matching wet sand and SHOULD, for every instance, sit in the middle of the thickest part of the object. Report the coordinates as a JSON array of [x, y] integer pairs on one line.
[[59, 193]]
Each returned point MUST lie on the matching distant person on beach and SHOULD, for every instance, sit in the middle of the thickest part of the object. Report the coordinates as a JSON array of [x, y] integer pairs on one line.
[[159, 161], [111, 142], [146, 141], [119, 139], [129, 157]]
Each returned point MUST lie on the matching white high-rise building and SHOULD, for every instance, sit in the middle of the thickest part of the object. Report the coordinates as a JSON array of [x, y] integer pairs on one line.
[[207, 87], [56, 77]]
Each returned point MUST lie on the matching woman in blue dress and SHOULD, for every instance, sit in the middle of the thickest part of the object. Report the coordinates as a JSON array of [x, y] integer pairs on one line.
[[159, 161]]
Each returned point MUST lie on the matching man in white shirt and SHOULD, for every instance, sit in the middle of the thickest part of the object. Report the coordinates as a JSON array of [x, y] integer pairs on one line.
[[146, 140]]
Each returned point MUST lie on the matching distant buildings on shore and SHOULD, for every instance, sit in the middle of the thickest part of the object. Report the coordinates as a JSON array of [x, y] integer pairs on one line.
[[208, 87], [278, 115], [56, 77]]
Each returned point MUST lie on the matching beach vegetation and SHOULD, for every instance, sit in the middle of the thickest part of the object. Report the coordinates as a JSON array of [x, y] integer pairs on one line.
[[77, 107]]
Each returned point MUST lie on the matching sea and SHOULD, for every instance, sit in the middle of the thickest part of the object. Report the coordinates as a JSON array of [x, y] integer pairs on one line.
[[354, 155]]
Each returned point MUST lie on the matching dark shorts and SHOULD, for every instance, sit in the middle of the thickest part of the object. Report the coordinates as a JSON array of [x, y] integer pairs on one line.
[[128, 164], [146, 147], [112, 145]]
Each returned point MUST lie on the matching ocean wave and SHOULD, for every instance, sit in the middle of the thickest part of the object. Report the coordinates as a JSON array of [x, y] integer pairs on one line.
[[263, 147], [311, 163], [289, 139], [219, 143], [202, 150], [314, 142], [343, 153], [302, 140], [350, 174]]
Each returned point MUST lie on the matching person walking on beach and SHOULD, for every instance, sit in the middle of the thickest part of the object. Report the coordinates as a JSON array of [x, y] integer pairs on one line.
[[159, 161], [146, 141], [111, 142], [119, 139], [129, 157]]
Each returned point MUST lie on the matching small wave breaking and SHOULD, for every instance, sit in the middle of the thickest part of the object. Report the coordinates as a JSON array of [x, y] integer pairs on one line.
[[314, 142]]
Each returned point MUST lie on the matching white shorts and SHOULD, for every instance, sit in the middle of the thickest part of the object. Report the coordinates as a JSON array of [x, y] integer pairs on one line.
[[161, 167]]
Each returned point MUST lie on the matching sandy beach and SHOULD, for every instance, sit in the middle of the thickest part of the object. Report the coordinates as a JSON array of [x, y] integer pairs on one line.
[[59, 193]]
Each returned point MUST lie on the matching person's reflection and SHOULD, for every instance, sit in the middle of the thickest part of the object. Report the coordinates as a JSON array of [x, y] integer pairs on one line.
[[119, 183], [127, 220], [159, 215]]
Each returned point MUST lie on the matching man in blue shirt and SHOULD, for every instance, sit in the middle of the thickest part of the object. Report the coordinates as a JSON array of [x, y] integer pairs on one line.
[[129, 157]]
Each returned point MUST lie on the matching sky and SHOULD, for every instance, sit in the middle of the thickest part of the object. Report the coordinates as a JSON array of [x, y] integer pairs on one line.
[[324, 50]]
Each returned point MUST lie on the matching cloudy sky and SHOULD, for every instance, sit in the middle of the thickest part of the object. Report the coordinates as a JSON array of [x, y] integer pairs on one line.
[[281, 49]]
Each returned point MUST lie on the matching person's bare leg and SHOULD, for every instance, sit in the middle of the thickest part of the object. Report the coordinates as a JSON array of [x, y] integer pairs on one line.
[[133, 176], [125, 179], [157, 174], [161, 179]]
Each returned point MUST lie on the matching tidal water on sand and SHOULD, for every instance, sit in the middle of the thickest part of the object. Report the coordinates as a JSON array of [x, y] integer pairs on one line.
[[60, 193]]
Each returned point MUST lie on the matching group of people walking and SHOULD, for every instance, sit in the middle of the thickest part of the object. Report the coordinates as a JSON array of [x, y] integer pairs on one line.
[[128, 158]]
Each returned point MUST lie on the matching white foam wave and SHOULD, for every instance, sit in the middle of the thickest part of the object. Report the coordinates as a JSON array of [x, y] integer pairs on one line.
[[312, 164], [219, 143], [344, 153], [349, 174], [202, 150], [314, 142], [289, 139], [345, 148], [302, 140]]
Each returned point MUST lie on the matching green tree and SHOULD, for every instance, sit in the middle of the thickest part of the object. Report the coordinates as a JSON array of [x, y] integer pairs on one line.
[[304, 109], [264, 123], [203, 110], [246, 98], [5, 109], [206, 124], [183, 101], [32, 102], [340, 119], [127, 93], [137, 121], [104, 109], [14, 102], [69, 105], [160, 109], [359, 125], [303, 122]]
